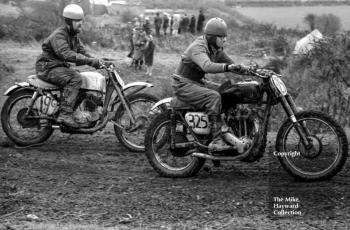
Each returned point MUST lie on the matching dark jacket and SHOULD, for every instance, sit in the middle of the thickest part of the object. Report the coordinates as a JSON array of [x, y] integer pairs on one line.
[[59, 49], [193, 24], [200, 58], [157, 21], [200, 21]]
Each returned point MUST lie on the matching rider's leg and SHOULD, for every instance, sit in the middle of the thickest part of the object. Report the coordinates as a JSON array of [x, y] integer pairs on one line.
[[71, 81], [199, 96]]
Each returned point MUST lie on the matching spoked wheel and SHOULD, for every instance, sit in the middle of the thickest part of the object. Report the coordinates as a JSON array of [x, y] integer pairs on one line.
[[326, 155], [18, 125], [131, 135], [168, 162]]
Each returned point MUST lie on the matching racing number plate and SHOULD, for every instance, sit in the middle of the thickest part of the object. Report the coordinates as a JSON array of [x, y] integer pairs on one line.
[[199, 122]]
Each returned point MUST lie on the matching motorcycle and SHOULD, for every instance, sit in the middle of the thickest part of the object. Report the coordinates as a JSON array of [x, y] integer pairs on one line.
[[310, 145], [29, 114]]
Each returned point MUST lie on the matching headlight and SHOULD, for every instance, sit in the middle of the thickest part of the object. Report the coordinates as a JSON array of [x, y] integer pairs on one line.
[[278, 85]]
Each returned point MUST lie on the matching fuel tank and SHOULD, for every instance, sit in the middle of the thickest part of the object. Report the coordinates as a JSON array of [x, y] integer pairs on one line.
[[93, 81], [245, 92]]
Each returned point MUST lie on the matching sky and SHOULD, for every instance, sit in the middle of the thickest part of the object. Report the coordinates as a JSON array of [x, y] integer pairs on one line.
[[100, 2]]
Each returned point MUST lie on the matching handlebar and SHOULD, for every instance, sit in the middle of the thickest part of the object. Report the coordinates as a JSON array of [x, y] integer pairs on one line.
[[107, 64], [258, 72]]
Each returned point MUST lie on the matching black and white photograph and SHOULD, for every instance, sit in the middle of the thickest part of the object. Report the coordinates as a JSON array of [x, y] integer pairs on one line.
[[174, 115]]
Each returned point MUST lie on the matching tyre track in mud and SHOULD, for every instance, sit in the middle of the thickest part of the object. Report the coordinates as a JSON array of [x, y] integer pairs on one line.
[[93, 179]]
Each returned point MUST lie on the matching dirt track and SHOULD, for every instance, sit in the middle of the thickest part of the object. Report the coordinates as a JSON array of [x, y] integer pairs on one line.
[[94, 180]]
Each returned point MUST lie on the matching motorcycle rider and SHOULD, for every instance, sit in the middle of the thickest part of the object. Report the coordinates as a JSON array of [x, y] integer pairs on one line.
[[206, 55], [63, 46]]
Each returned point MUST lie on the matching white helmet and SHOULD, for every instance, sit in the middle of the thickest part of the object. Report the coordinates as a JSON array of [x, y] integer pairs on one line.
[[73, 11]]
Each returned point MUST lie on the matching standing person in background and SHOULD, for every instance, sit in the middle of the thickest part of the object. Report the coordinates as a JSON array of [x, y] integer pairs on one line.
[[147, 26], [165, 22], [149, 54], [157, 24], [171, 24], [130, 29], [185, 24], [139, 44], [176, 25], [181, 22], [193, 24], [200, 21]]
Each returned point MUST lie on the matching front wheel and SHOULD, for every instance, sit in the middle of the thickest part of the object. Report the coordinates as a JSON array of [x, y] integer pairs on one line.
[[16, 121], [140, 104], [328, 151], [168, 162]]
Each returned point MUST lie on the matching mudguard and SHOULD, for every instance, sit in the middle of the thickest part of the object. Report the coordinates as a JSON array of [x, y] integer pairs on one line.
[[138, 83], [16, 87], [165, 101]]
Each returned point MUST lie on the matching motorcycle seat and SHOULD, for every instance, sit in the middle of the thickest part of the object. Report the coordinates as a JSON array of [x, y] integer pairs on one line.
[[178, 104], [36, 82]]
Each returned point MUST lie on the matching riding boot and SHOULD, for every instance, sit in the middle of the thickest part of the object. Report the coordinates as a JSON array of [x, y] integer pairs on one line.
[[218, 143], [66, 112]]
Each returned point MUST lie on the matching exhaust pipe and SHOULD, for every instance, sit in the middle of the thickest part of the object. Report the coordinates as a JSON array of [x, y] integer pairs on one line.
[[221, 158], [240, 145]]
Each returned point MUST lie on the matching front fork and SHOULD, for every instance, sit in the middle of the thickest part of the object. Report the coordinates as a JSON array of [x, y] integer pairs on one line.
[[290, 108]]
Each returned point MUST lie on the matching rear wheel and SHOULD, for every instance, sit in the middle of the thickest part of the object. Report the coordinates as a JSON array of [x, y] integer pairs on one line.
[[168, 162], [22, 130], [328, 152]]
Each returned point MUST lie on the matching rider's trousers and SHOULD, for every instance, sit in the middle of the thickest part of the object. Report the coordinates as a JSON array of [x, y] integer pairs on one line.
[[197, 95], [67, 78]]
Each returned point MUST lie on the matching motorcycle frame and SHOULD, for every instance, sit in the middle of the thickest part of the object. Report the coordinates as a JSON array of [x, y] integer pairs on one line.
[[113, 83], [272, 99]]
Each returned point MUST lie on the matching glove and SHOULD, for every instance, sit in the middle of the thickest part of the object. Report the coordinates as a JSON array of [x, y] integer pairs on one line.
[[237, 68], [96, 63], [108, 63]]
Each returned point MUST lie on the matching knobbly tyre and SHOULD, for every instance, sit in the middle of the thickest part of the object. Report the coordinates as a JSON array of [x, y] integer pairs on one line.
[[29, 114], [177, 141]]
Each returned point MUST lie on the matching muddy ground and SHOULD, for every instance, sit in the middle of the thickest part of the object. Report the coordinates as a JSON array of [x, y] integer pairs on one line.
[[94, 180], [91, 180]]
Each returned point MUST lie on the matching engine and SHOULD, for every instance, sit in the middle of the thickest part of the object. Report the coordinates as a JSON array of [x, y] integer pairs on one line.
[[89, 108], [244, 120]]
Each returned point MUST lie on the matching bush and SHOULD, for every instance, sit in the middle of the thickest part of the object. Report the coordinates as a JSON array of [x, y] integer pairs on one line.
[[328, 24], [323, 77], [128, 15]]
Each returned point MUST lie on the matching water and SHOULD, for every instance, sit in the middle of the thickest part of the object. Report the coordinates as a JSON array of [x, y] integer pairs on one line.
[[293, 16]]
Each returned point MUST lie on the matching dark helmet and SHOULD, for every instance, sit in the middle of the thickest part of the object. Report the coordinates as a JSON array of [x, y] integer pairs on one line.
[[216, 27]]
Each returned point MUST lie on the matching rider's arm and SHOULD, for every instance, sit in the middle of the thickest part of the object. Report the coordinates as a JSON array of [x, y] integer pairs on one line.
[[199, 56], [224, 58], [62, 50], [82, 50]]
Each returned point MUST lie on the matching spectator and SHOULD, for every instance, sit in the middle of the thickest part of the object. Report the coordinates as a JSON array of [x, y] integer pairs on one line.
[[193, 24], [149, 54], [165, 22], [130, 28], [157, 24], [139, 40], [176, 25], [171, 24], [185, 24], [147, 26], [200, 21]]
